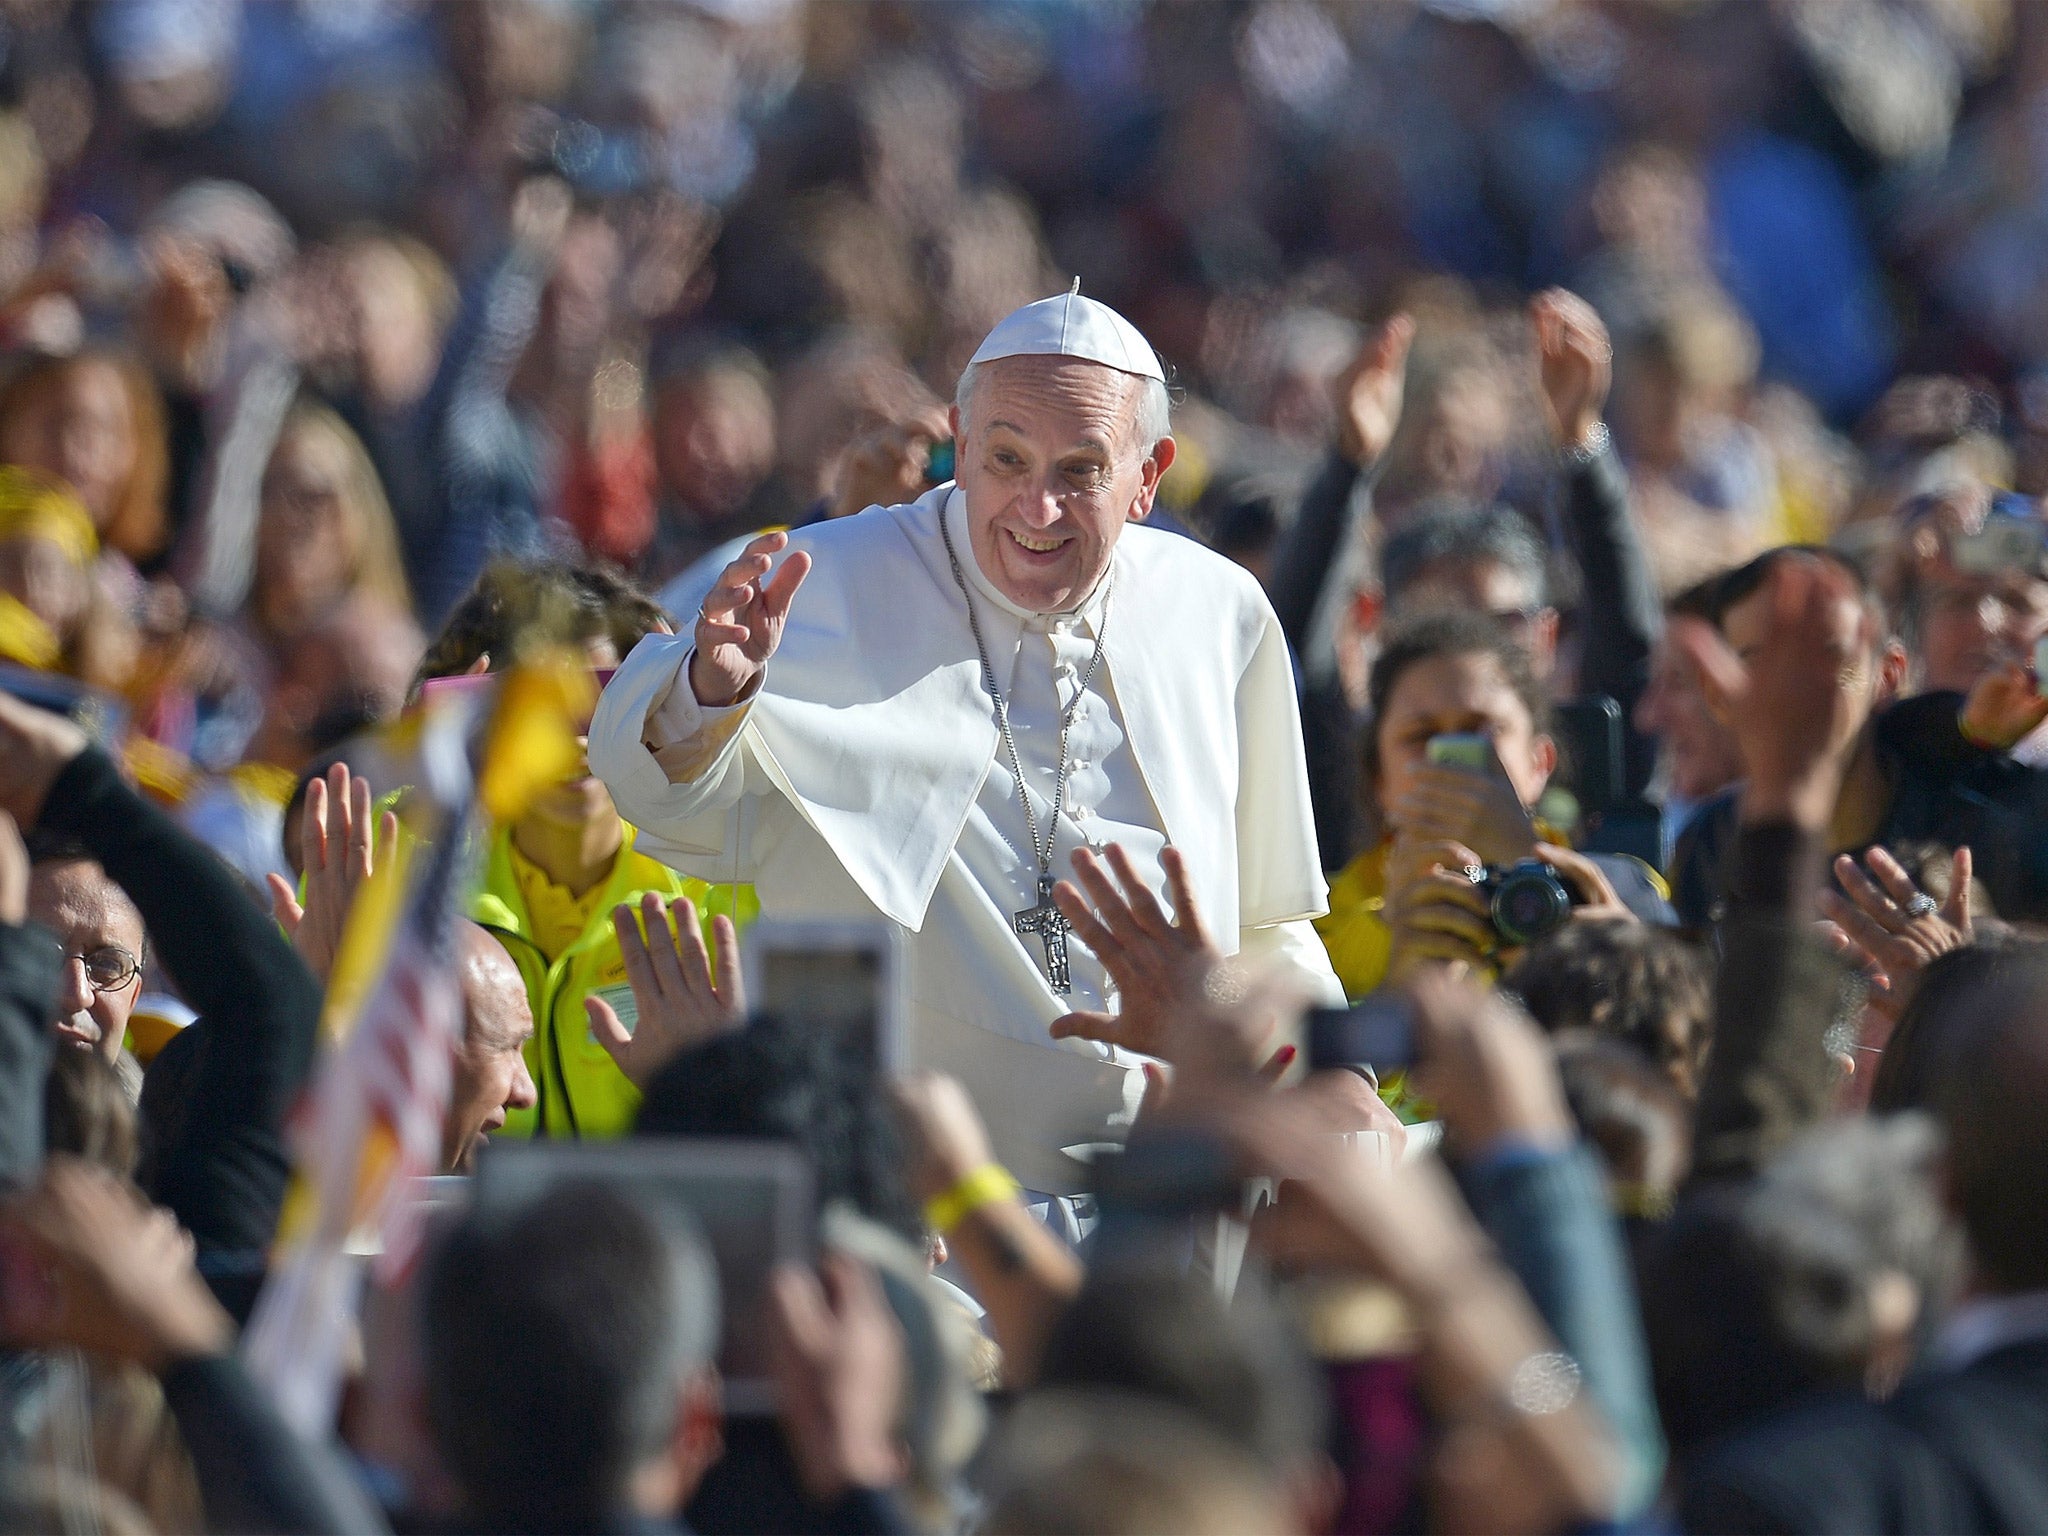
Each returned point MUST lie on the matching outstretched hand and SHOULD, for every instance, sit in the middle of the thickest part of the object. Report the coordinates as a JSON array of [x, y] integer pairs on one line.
[[739, 623], [2004, 707], [1177, 994], [837, 1352], [1889, 929], [681, 998], [1575, 362], [85, 1262], [1369, 393], [1796, 701], [341, 843]]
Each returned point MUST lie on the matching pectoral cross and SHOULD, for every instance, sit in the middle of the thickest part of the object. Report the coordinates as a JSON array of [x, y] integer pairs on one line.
[[1051, 926]]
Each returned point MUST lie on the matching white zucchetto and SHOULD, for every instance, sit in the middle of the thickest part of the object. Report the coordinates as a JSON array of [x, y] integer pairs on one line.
[[1068, 325]]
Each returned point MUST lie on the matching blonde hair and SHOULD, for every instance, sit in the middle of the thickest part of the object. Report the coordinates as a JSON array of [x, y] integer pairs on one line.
[[136, 525], [374, 564]]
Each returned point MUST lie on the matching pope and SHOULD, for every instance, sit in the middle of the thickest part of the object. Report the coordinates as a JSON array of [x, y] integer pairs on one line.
[[925, 711]]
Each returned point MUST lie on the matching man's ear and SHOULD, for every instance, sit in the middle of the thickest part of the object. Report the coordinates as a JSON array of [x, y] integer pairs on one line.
[[1156, 464], [1543, 753], [1892, 666], [953, 423]]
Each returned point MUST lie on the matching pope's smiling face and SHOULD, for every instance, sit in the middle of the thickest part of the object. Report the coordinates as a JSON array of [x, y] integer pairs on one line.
[[1051, 459]]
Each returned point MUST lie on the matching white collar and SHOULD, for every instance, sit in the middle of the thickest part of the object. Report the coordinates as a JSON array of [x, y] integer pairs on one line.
[[1988, 1324], [955, 514]]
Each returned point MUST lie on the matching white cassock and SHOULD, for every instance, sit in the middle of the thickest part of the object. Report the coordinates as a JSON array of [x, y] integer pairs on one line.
[[866, 776]]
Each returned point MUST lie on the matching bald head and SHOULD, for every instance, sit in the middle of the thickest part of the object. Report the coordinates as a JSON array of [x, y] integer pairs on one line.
[[491, 1075]]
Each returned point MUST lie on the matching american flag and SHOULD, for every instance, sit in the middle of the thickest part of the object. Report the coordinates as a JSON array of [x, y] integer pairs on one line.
[[371, 1122]]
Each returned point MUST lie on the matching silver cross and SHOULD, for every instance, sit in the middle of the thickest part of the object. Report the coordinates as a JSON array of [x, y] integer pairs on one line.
[[1052, 927]]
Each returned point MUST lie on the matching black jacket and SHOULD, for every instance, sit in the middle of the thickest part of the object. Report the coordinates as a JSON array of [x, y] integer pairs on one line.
[[1964, 1451], [1943, 790], [222, 1171]]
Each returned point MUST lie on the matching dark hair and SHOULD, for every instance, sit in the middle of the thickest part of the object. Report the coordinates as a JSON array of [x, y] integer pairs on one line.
[[1462, 534], [1446, 632], [1745, 581], [86, 1111], [786, 1080], [557, 1334], [521, 605], [1756, 1293], [1698, 601], [1936, 1018], [1166, 1336], [1989, 1086], [1633, 982], [1628, 1110]]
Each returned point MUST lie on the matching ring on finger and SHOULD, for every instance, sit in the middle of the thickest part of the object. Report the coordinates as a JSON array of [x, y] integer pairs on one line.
[[1920, 904]]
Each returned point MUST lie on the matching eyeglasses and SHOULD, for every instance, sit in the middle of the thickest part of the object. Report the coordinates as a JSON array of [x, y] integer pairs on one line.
[[107, 969]]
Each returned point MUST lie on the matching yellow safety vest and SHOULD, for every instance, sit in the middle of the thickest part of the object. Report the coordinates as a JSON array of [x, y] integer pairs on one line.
[[582, 1091]]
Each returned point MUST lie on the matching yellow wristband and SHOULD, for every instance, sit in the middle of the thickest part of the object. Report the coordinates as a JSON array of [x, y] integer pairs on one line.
[[988, 1185]]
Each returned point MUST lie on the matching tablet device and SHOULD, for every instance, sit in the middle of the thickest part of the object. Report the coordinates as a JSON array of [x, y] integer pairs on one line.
[[846, 977], [751, 1200]]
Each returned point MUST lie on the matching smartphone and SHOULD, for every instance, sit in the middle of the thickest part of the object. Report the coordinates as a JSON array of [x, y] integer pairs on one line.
[[1168, 1175], [2011, 542], [1461, 749], [752, 1201], [1378, 1033], [1589, 730], [846, 977], [101, 716], [938, 465]]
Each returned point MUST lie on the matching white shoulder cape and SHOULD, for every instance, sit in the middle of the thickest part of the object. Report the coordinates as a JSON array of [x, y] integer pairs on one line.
[[873, 721]]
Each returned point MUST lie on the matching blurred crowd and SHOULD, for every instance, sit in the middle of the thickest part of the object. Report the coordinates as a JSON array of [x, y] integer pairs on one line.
[[1657, 389]]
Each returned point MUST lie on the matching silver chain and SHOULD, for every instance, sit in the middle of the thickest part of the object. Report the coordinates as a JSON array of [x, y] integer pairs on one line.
[[988, 678]]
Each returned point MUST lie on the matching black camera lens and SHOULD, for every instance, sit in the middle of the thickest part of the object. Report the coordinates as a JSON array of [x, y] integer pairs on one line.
[[1529, 903]]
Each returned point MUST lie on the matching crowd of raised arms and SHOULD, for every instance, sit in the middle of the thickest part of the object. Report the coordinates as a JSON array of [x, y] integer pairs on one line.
[[866, 766]]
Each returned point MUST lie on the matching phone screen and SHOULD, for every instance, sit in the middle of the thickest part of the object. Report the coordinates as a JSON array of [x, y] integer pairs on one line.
[[839, 989], [1460, 749], [1377, 1033]]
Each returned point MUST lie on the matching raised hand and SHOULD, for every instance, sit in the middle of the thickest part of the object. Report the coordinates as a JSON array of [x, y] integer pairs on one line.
[[35, 747], [84, 1262], [838, 1358], [1370, 390], [1797, 700], [943, 1133], [1434, 911], [341, 843], [1594, 896], [2004, 706], [681, 1000], [1165, 969], [888, 465], [740, 621], [1890, 928], [1575, 362]]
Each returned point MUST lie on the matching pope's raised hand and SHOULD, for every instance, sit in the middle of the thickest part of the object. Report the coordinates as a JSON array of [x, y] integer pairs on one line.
[[740, 621]]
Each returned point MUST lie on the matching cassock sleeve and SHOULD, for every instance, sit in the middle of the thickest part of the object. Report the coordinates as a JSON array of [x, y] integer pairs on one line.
[[673, 767], [1294, 952], [1280, 876]]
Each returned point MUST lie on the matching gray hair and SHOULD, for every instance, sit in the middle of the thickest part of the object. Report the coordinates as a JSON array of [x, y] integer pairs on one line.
[[1463, 534], [1151, 419]]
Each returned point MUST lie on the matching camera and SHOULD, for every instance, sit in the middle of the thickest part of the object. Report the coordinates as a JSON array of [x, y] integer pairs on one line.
[[1528, 901]]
